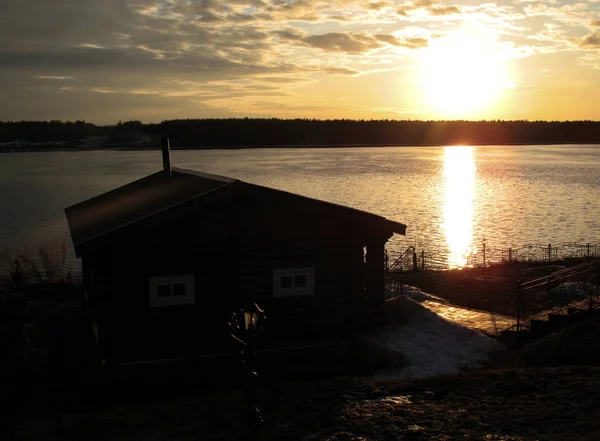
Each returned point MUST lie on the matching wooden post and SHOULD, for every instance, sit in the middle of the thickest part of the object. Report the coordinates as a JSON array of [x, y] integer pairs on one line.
[[423, 260], [484, 253], [387, 262], [588, 251], [414, 258], [597, 284], [548, 289], [401, 284], [375, 282], [509, 255], [519, 304], [549, 253]]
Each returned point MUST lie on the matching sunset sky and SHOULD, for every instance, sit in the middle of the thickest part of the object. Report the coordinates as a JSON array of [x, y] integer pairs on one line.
[[110, 60]]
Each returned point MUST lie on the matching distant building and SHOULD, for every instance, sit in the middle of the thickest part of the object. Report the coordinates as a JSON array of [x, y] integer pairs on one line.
[[166, 258]]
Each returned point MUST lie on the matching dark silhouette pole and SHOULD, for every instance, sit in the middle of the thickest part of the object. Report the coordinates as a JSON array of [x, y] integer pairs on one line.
[[245, 327], [165, 146]]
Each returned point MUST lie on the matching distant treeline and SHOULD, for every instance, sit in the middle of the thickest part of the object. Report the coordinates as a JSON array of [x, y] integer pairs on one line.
[[251, 132]]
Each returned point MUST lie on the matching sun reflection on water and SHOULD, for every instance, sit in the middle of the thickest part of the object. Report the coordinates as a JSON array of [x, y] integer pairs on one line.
[[459, 183]]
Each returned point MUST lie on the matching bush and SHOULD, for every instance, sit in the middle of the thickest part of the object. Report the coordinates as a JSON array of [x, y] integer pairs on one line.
[[49, 267]]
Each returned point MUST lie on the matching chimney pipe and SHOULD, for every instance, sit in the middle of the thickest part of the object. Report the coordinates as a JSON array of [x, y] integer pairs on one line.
[[166, 154]]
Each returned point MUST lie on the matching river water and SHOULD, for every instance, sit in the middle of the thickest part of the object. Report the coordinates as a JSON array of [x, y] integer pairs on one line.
[[451, 198]]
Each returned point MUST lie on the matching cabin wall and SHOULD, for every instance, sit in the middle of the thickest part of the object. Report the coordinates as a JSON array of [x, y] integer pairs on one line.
[[335, 309], [132, 328], [232, 250], [279, 232]]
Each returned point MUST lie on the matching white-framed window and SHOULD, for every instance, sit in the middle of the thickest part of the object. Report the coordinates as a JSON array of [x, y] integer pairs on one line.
[[293, 282], [172, 290]]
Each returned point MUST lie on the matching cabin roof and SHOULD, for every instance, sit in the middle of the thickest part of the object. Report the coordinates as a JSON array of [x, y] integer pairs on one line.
[[158, 192]]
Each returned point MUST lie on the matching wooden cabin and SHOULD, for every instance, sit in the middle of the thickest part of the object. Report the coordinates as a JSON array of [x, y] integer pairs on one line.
[[166, 259]]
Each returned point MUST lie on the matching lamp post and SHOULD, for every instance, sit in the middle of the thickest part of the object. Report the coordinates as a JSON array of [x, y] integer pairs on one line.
[[245, 327]]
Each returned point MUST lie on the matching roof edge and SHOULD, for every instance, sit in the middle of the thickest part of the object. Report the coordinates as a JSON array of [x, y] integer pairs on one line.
[[397, 227], [220, 178], [104, 233]]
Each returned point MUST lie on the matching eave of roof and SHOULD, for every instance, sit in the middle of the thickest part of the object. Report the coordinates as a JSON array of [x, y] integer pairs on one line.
[[396, 227]]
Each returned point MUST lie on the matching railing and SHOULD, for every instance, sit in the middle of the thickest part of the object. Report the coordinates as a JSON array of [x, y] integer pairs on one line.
[[437, 258], [393, 272], [401, 262], [543, 295]]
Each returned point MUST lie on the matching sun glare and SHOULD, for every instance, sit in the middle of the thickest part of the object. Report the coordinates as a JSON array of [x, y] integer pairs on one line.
[[459, 177], [463, 74]]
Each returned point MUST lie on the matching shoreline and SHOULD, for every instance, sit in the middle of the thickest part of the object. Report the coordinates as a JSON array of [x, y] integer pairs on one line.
[[284, 146]]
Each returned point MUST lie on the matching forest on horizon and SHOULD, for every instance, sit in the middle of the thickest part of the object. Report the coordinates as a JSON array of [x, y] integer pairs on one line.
[[259, 132]]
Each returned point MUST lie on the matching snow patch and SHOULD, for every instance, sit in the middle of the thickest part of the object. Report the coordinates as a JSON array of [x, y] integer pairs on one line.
[[432, 345]]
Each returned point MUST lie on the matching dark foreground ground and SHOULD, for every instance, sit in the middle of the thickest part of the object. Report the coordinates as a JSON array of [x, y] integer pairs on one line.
[[533, 404], [548, 390]]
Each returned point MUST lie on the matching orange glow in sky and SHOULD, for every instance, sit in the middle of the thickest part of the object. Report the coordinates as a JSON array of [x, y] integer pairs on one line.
[[361, 59]]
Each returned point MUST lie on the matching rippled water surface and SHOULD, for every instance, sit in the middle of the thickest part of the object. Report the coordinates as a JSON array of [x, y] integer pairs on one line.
[[449, 197]]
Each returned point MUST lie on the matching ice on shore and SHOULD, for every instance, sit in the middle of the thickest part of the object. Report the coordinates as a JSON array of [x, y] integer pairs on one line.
[[412, 292]]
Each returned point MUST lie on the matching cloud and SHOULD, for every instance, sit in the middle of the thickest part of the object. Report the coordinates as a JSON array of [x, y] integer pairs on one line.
[[55, 77], [431, 6], [289, 35], [359, 43], [590, 41], [340, 71], [591, 59], [415, 42], [389, 39], [377, 5], [211, 53], [443, 10], [341, 42], [572, 14]]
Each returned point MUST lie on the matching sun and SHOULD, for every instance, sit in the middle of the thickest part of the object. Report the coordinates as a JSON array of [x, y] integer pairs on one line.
[[463, 75]]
